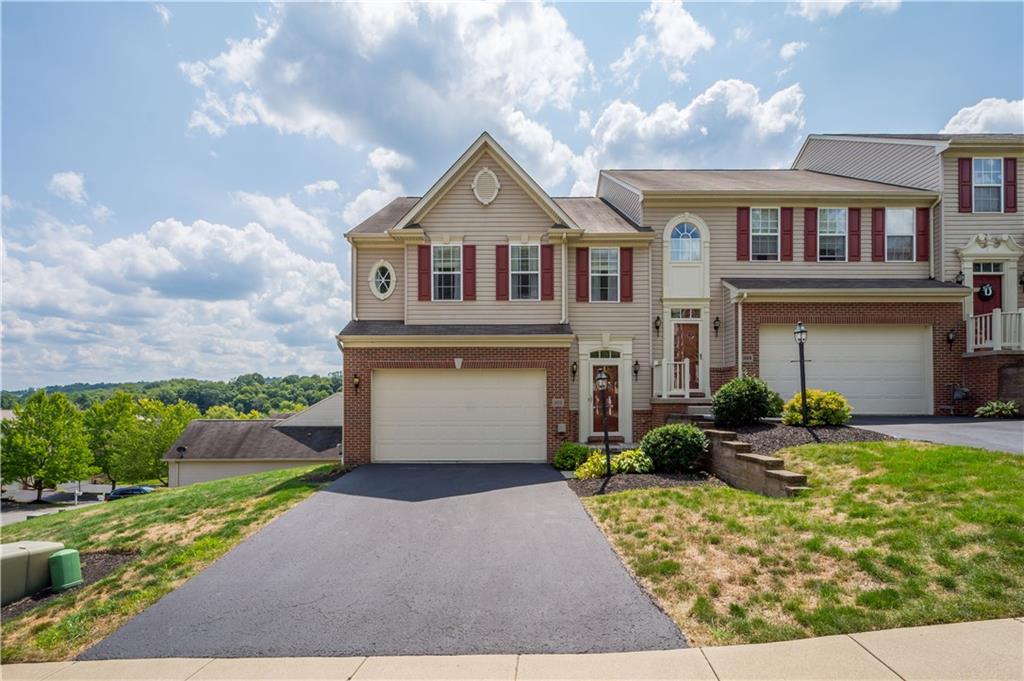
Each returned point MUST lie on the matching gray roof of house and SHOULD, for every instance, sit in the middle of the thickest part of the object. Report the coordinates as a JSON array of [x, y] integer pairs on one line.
[[938, 137], [776, 283], [783, 181], [400, 328], [387, 217], [257, 439]]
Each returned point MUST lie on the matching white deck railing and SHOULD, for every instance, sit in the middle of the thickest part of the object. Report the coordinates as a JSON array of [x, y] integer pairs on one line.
[[672, 379], [996, 330]]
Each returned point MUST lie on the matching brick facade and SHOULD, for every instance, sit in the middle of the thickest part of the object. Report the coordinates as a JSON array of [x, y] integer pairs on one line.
[[362, 361], [982, 378], [948, 362]]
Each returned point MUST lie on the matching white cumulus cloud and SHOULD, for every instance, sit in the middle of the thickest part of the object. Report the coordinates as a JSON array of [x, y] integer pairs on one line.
[[384, 162], [812, 10], [163, 13], [69, 185], [790, 50], [991, 114], [282, 214], [321, 186], [670, 33]]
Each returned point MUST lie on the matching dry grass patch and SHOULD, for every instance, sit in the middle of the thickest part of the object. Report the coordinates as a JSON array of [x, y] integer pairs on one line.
[[892, 534]]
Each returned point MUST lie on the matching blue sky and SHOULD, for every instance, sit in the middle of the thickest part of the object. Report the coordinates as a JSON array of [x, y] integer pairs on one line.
[[177, 177]]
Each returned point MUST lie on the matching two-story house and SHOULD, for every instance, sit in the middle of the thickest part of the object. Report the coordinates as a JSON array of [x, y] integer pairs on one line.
[[482, 310]]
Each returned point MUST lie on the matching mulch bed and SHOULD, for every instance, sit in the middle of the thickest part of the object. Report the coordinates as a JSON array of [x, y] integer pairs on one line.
[[327, 476], [95, 566], [621, 483], [768, 438]]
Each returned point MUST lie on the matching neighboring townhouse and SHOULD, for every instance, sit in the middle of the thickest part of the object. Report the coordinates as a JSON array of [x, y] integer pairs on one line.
[[482, 310]]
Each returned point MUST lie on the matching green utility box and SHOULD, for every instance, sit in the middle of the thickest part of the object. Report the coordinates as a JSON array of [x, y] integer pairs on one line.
[[65, 570]]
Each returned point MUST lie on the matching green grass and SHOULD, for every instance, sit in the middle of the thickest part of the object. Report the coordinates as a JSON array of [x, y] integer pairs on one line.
[[175, 532], [892, 534]]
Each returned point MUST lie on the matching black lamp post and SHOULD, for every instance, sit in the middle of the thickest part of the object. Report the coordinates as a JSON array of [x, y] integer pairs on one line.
[[800, 334], [601, 383]]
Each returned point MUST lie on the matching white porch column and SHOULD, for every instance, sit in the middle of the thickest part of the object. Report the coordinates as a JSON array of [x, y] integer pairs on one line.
[[997, 329]]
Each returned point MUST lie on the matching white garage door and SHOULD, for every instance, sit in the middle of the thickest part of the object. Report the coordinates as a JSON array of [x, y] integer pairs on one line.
[[459, 415], [880, 369]]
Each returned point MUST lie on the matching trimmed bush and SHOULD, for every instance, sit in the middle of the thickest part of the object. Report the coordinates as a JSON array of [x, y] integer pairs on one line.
[[824, 408], [632, 461], [570, 455], [998, 409], [594, 467], [745, 400], [675, 448]]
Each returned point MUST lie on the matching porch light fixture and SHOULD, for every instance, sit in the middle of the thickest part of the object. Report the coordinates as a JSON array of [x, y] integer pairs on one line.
[[959, 279], [355, 381], [574, 368], [1021, 281], [716, 325], [951, 337], [636, 369], [657, 325], [601, 384], [800, 334], [181, 451]]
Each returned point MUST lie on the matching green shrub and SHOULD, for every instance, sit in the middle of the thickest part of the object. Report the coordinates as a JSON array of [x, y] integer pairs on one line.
[[594, 467], [675, 448], [745, 400], [570, 455], [824, 408], [632, 461], [998, 409]]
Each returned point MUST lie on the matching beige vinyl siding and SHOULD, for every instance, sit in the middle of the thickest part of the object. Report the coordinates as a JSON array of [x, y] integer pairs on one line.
[[959, 227], [629, 202], [590, 320], [910, 165], [369, 306], [727, 334], [459, 215], [721, 221]]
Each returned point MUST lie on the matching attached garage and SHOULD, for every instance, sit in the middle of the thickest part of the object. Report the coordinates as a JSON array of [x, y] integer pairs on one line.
[[881, 369], [447, 415]]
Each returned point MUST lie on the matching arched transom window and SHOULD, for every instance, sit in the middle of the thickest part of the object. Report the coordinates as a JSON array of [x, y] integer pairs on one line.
[[685, 243]]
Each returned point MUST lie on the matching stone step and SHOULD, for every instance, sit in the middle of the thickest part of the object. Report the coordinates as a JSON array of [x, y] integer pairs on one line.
[[796, 490], [787, 477], [766, 461], [737, 445]]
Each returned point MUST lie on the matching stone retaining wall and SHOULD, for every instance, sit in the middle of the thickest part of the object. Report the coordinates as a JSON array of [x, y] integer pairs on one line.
[[731, 461]]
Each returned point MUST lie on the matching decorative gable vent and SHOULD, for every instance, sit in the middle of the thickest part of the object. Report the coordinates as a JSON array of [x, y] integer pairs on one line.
[[486, 186]]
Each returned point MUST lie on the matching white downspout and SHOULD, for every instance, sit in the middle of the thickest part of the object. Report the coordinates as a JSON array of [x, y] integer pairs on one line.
[[739, 336], [352, 278], [565, 284]]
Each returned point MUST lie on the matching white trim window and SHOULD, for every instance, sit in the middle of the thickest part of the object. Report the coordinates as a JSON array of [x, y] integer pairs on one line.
[[764, 234], [382, 280], [524, 271], [832, 235], [899, 235], [987, 185], [685, 243], [604, 275], [446, 272]]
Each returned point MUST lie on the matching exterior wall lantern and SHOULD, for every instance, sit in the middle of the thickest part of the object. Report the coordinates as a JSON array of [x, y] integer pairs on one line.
[[1021, 281], [574, 368], [657, 325], [601, 384], [355, 381], [959, 278], [716, 325], [636, 369], [800, 335], [951, 337]]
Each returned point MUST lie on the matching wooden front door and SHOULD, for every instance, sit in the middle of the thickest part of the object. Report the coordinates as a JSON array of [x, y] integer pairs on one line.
[[686, 345], [612, 399], [988, 293]]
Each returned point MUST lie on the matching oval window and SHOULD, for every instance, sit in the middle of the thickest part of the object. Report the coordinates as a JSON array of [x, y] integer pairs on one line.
[[382, 279]]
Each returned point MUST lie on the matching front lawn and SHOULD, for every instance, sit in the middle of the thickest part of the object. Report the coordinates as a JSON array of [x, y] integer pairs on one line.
[[892, 534], [175, 533]]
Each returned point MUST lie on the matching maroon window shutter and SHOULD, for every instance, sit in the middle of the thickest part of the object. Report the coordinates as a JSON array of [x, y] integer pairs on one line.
[[582, 275], [743, 234], [547, 272], [922, 234], [786, 252], [424, 271], [469, 272], [965, 185], [626, 275], [878, 234], [853, 234], [501, 272], [1010, 185], [810, 234]]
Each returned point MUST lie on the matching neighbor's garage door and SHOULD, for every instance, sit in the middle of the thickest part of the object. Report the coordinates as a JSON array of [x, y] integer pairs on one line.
[[880, 369], [458, 415]]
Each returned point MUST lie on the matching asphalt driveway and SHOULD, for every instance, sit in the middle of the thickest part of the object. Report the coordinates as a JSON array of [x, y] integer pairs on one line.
[[411, 560], [996, 434]]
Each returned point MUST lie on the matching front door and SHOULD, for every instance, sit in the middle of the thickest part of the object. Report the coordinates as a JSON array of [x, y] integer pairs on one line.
[[988, 293], [611, 399], [686, 345]]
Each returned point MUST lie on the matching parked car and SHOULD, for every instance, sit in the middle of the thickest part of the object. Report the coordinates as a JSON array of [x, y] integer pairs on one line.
[[124, 492]]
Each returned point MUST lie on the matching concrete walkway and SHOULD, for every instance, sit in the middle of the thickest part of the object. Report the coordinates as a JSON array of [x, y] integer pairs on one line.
[[991, 650]]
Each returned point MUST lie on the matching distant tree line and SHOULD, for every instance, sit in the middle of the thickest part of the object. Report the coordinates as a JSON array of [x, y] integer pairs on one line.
[[245, 394]]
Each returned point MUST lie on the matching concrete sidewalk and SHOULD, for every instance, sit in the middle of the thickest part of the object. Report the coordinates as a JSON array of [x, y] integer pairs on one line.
[[991, 650]]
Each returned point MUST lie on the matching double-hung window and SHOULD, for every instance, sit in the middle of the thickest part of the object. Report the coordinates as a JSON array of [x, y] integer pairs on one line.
[[446, 272], [604, 274], [524, 271], [832, 234], [988, 185], [899, 234], [764, 233]]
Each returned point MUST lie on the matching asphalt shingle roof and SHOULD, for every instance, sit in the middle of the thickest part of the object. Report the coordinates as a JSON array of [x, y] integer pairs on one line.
[[258, 439]]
